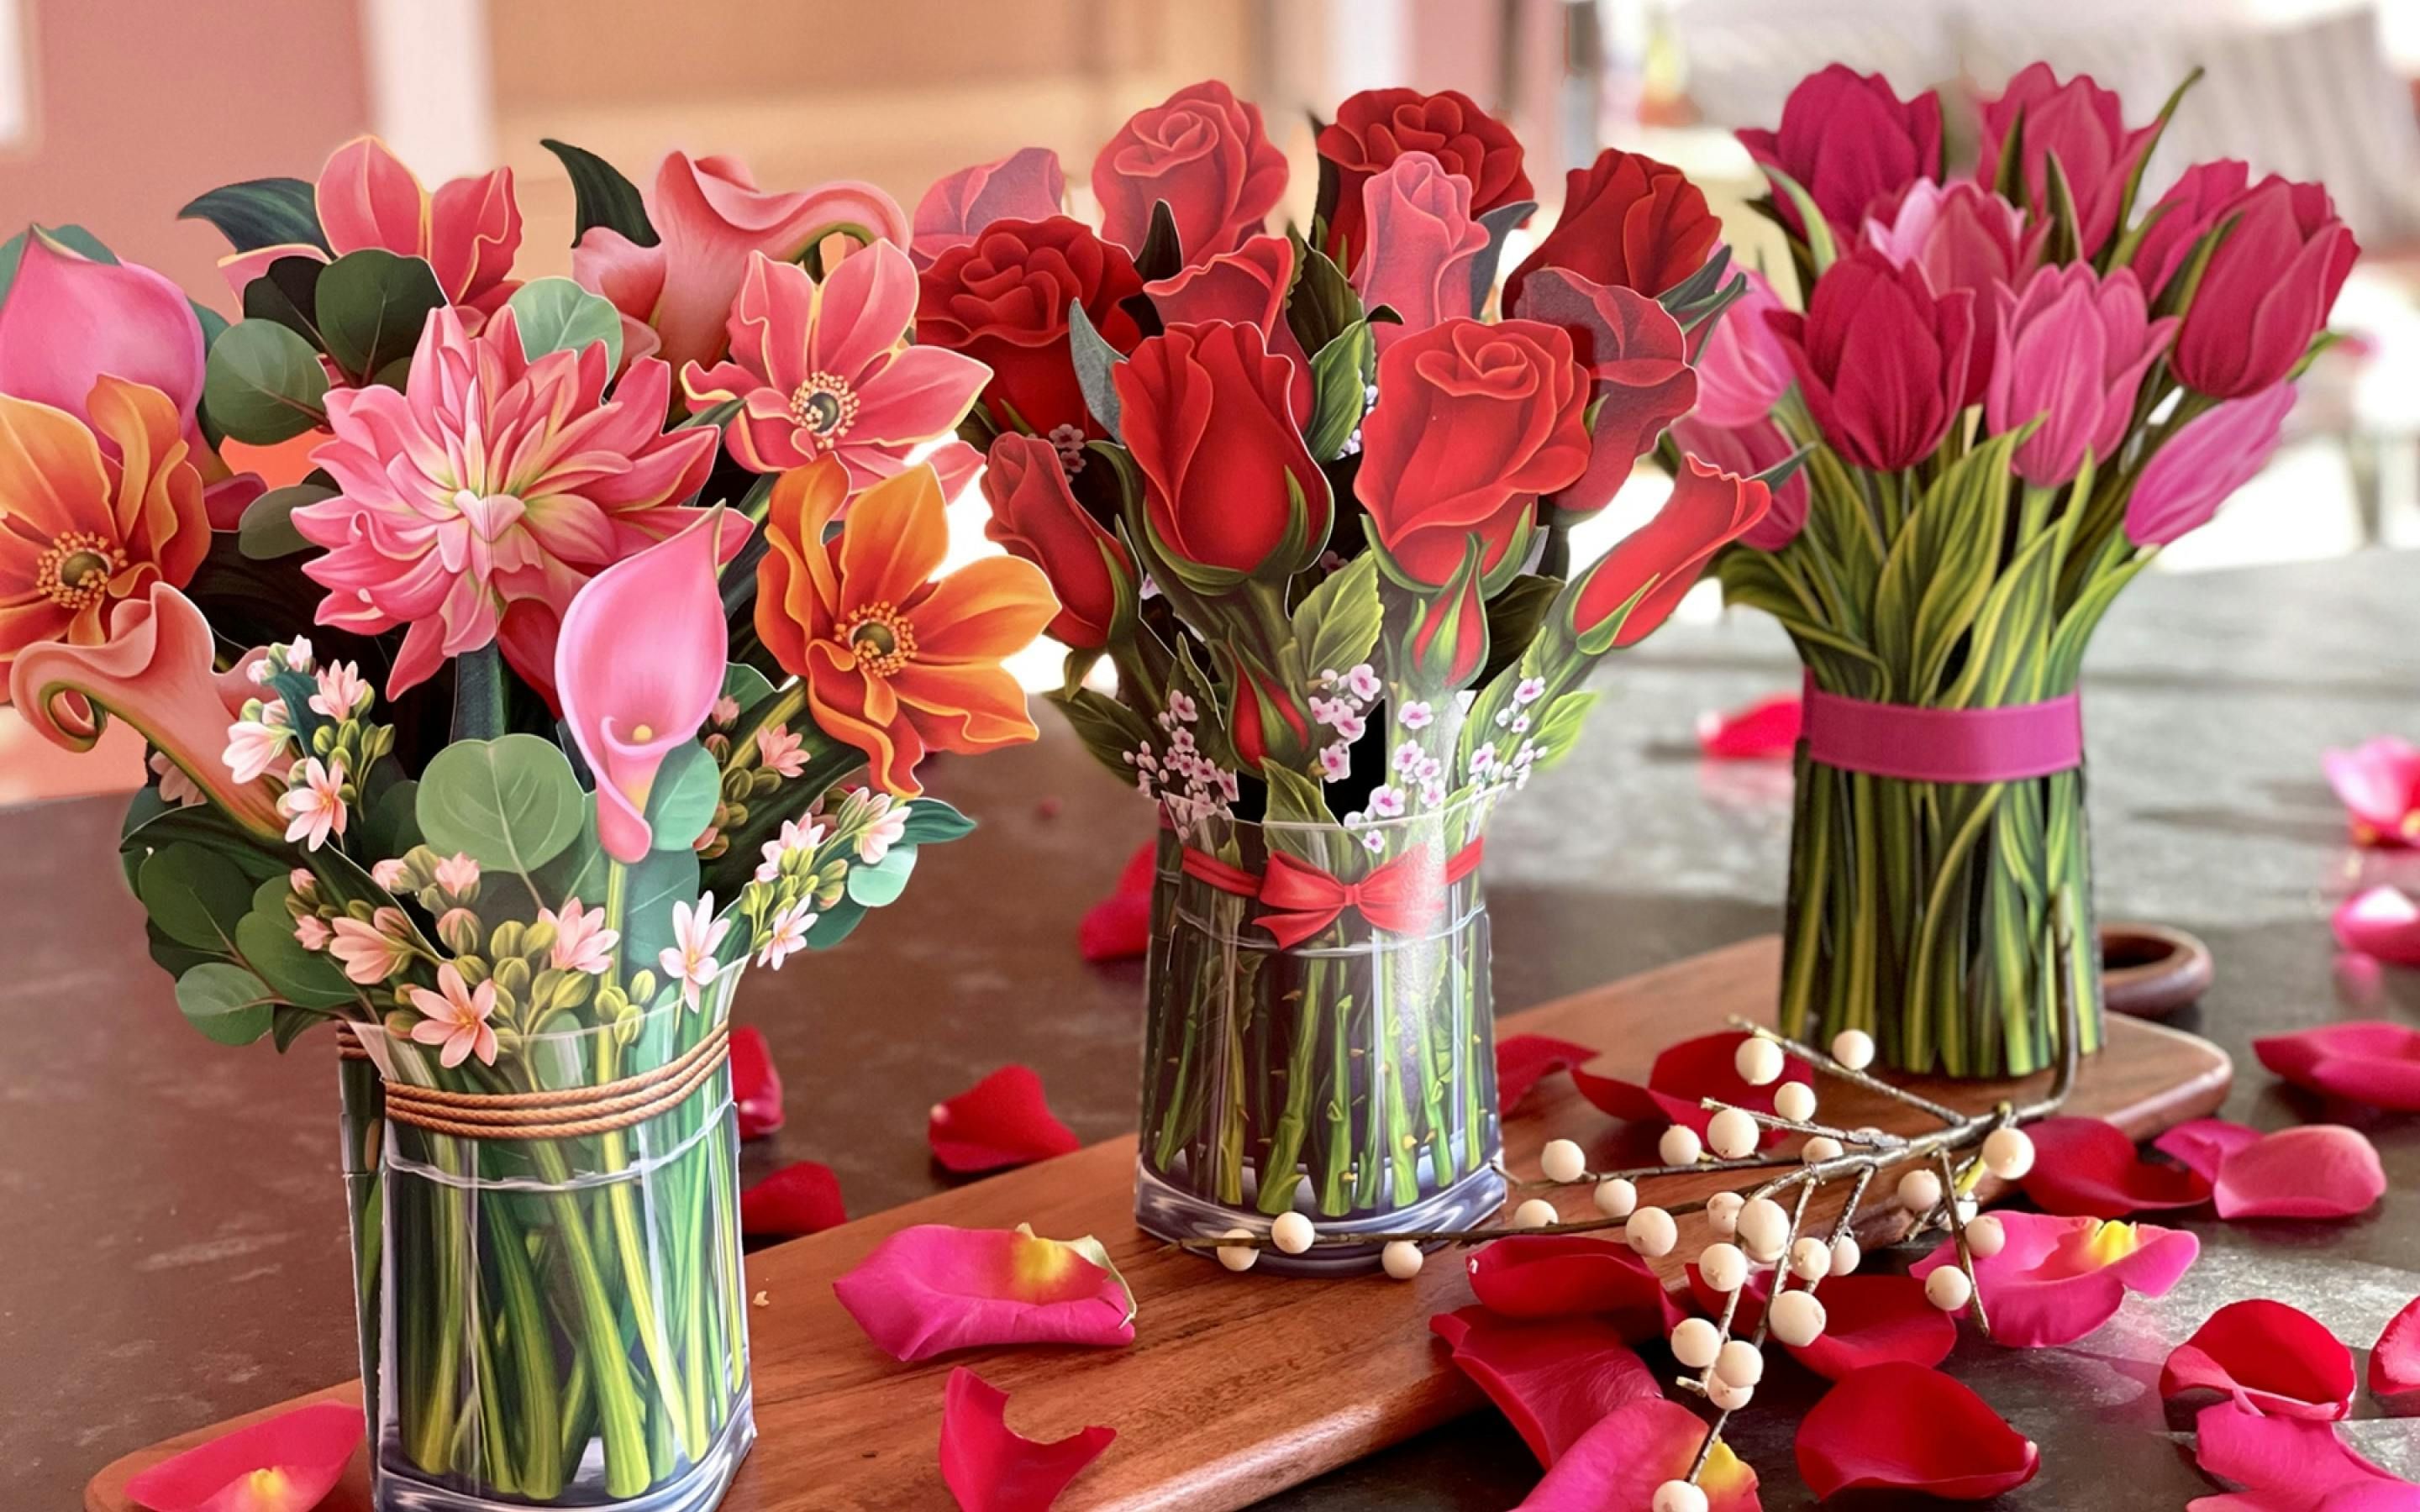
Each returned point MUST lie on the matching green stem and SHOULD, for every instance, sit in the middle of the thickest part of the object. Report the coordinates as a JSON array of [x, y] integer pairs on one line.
[[628, 1471], [479, 694]]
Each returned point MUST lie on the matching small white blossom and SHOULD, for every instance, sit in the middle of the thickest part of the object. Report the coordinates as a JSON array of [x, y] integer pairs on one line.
[[1529, 690], [1482, 760], [1387, 803], [1520, 724], [788, 934], [696, 935], [1334, 762], [1348, 726], [1373, 841], [1408, 757], [1415, 716], [1363, 680]]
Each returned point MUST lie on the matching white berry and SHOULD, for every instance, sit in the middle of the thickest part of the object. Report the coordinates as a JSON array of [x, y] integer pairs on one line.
[[1403, 1259], [1846, 1256], [1853, 1048], [1740, 1364], [1722, 1213], [1292, 1233], [1679, 1146], [1796, 1319], [1695, 1342], [1759, 1061], [1651, 1232], [1563, 1160], [1616, 1198], [2008, 1153], [1535, 1213], [1810, 1258], [1795, 1101], [1762, 1229], [1985, 1237], [1722, 1267], [1238, 1257], [1919, 1192], [1821, 1147], [1678, 1496], [1726, 1397], [1732, 1132], [1949, 1290]]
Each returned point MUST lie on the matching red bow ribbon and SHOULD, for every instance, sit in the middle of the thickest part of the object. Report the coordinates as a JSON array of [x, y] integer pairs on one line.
[[1303, 899]]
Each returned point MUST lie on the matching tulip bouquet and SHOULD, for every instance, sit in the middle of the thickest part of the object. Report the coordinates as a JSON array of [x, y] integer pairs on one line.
[[579, 729], [1310, 503], [2012, 390]]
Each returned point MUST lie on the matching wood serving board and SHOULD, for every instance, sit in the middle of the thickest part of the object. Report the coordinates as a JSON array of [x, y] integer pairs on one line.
[[1238, 1386]]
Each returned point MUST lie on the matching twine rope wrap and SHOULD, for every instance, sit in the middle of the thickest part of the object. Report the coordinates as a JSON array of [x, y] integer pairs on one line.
[[562, 1113]]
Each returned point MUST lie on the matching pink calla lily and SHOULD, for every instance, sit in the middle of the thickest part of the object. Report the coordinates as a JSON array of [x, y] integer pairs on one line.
[[990, 1466], [628, 710], [2270, 1358], [2379, 784], [1631, 1451], [2372, 1061], [1553, 1379], [931, 1288], [2057, 1279], [2394, 1359], [287, 1463]]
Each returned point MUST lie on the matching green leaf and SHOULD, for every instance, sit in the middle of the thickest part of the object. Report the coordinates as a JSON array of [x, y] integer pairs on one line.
[[225, 1002], [1323, 306], [264, 383], [287, 1024], [1094, 357], [835, 924], [509, 803], [371, 307], [391, 826], [682, 803], [931, 822], [1108, 728], [287, 293], [1337, 624], [745, 685], [1513, 620], [1498, 223], [1558, 730], [1820, 253], [1297, 813], [261, 212], [267, 530], [650, 887], [1161, 256], [601, 196], [1340, 383], [557, 314], [196, 895], [881, 884], [308, 978]]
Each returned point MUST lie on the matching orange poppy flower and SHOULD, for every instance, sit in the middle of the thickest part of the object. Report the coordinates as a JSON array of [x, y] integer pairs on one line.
[[896, 662], [89, 517]]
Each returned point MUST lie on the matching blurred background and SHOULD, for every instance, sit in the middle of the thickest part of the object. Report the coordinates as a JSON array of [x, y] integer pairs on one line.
[[112, 115]]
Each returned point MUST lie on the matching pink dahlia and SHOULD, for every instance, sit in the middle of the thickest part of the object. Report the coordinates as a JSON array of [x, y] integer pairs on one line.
[[825, 369], [474, 506]]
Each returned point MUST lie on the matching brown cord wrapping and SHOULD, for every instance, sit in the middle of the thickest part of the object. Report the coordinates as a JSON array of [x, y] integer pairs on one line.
[[349, 1045], [563, 1113]]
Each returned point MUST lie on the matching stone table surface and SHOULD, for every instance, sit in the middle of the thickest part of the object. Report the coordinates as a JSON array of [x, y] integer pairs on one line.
[[174, 1247]]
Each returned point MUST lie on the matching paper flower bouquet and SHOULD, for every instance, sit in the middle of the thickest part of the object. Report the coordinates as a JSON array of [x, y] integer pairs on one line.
[[1311, 504], [576, 732], [2014, 388]]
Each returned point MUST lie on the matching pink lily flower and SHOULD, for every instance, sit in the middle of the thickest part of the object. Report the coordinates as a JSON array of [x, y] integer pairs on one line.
[[582, 941], [626, 711], [2213, 454], [709, 217], [824, 369], [375, 951], [457, 1018], [315, 806], [2379, 781]]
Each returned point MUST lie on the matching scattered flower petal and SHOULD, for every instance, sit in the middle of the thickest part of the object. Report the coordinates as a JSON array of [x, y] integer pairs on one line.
[[1553, 1381], [1523, 1060], [2394, 1359], [2287, 1464], [1561, 1276], [288, 1464], [2383, 922], [999, 1121], [799, 1199], [2088, 1167], [2272, 1359], [2379, 784], [755, 1086], [931, 1288], [1684, 1074], [1868, 1318], [1756, 731], [1118, 928], [2203, 1145], [2371, 1061], [1637, 1447], [990, 1466], [2057, 1279], [2316, 1171], [1905, 1425]]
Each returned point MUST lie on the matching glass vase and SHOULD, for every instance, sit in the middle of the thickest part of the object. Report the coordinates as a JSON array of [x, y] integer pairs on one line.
[[361, 1140], [564, 1321], [1349, 1073]]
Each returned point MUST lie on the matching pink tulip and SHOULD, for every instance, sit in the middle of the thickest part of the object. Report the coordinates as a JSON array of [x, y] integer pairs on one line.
[[1028, 185], [2266, 291], [638, 666], [1961, 236], [708, 216], [2211, 456], [1741, 369], [2072, 352], [2192, 206], [1421, 245], [2083, 127]]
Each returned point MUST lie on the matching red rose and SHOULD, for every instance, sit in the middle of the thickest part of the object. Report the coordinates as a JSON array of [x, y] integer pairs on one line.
[[1203, 152], [1637, 361], [1473, 422], [1206, 411], [1709, 509], [1267, 721], [1248, 286], [1378, 126], [1034, 513], [1628, 221], [1848, 141], [1002, 300]]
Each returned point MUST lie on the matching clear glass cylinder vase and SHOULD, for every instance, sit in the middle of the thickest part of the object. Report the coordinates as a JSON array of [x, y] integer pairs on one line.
[[1341, 1064], [564, 1320]]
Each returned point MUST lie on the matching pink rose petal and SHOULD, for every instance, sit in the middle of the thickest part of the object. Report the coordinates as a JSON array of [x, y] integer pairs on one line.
[[1905, 1425], [931, 1288], [2371, 1060], [2057, 1279], [990, 1466], [2088, 1167], [2316, 1171], [1552, 1380], [2269, 1357], [2394, 1359], [2382, 922], [287, 1463], [1761, 731], [1522, 1060], [1617, 1465], [999, 1121], [2202, 1145], [755, 1086], [801, 1197], [2287, 1464], [2379, 784], [1868, 1318], [1560, 1275], [1684, 1074]]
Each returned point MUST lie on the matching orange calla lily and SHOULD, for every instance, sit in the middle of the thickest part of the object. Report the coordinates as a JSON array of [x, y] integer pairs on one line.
[[896, 661]]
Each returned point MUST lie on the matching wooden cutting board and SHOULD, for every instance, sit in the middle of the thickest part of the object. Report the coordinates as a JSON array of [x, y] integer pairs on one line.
[[1238, 1386]]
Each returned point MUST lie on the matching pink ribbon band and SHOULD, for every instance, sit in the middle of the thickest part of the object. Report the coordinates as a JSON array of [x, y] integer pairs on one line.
[[1899, 740]]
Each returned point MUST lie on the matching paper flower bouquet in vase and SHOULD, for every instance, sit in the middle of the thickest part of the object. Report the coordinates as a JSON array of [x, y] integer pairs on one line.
[[569, 742], [2014, 388], [1310, 506]]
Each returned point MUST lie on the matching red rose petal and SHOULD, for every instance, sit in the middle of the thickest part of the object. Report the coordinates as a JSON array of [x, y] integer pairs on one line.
[[1559, 1275], [1750, 1311], [1870, 1319], [802, 1198], [1617, 1465], [1763, 729], [755, 1086], [2269, 1357], [999, 1121], [2394, 1359], [2088, 1167], [2382, 922], [2287, 1463], [1118, 928], [284, 1464], [2368, 1061], [2203, 1145], [2316, 1171], [1553, 1381], [1682, 1075], [1905, 1425], [2057, 1279], [1522, 1060], [931, 1288], [989, 1467]]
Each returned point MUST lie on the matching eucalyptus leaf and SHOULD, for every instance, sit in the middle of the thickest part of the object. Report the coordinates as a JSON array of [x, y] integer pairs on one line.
[[930, 821], [371, 306], [682, 803], [650, 887], [508, 803], [881, 884], [264, 383], [311, 978], [225, 1002], [196, 895], [287, 293], [267, 530], [745, 685], [557, 314]]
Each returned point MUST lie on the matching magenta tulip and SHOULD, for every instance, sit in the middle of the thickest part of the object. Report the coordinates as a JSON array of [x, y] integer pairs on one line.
[[2266, 291], [2193, 205], [2211, 456], [2083, 127], [1881, 359], [1749, 450], [1741, 369], [2072, 352], [1961, 236], [639, 665], [1850, 142], [1421, 243]]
